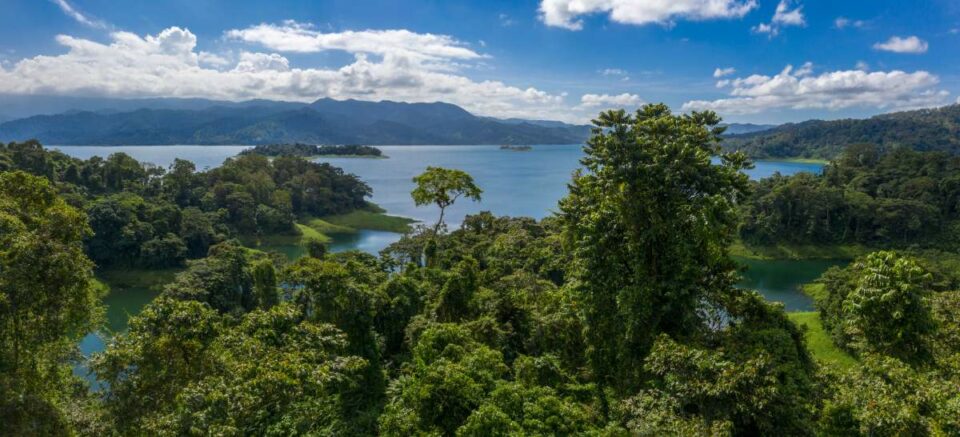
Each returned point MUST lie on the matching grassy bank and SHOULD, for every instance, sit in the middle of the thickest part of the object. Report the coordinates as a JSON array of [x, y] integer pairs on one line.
[[819, 343], [798, 251], [369, 219]]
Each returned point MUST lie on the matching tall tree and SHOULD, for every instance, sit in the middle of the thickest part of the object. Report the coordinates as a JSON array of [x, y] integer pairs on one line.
[[442, 187], [48, 301], [649, 223]]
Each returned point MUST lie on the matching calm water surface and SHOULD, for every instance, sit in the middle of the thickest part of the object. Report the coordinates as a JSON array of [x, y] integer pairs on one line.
[[514, 183]]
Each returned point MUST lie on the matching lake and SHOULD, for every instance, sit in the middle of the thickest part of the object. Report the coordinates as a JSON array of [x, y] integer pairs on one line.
[[528, 183]]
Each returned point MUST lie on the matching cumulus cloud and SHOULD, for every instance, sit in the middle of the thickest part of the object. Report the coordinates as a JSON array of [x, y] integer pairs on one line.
[[567, 13], [721, 72], [909, 45], [168, 65], [610, 101], [784, 16], [291, 36], [78, 16], [802, 89]]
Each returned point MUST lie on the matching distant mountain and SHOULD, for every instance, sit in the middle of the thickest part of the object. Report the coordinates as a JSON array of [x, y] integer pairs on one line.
[[746, 128], [326, 121], [16, 106], [925, 129]]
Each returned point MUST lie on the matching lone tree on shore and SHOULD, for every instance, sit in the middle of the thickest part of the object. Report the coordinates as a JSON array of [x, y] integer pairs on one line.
[[442, 187]]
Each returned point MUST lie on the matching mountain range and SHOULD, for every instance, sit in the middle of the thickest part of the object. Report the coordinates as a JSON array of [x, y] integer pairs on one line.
[[103, 121]]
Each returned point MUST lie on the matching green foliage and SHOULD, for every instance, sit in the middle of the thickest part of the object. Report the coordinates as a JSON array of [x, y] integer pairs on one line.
[[311, 150], [649, 223], [879, 304], [442, 187], [925, 129], [864, 197], [48, 301], [888, 307], [145, 216], [885, 397]]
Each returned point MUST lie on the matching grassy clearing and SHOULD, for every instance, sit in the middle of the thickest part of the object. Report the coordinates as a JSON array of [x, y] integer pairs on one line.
[[376, 221], [800, 251], [325, 227], [819, 343]]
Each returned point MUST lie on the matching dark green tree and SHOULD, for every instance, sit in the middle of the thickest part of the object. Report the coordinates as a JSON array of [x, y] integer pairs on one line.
[[48, 302], [649, 224]]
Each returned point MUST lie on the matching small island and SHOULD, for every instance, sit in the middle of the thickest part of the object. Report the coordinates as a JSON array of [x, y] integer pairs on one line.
[[312, 150], [516, 148]]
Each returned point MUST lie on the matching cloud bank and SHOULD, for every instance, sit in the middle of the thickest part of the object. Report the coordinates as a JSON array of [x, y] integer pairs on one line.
[[802, 89], [387, 65], [566, 13]]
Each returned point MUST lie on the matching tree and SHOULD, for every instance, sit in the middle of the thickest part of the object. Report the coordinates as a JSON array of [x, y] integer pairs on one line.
[[442, 187], [48, 301], [649, 224], [888, 311]]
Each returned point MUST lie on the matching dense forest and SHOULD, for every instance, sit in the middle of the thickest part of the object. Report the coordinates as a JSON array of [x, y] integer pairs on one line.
[[310, 150], [895, 199], [146, 216], [617, 316], [924, 130]]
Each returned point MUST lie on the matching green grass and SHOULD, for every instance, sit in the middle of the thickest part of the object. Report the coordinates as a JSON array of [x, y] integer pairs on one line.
[[819, 342], [365, 219], [798, 251], [325, 227]]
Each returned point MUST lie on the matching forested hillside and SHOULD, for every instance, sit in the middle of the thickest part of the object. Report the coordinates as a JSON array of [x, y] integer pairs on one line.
[[923, 130], [899, 198], [146, 216], [617, 316]]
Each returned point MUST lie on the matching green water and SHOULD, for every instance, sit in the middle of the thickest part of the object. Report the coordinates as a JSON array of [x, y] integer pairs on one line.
[[780, 280]]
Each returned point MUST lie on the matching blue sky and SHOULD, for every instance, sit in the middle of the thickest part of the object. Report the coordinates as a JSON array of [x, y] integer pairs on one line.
[[750, 60]]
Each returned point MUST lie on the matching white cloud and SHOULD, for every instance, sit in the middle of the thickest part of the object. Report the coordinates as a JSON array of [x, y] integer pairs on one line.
[[896, 44], [78, 16], [843, 23], [802, 89], [782, 17], [613, 72], [610, 101], [506, 21], [291, 36], [567, 13], [863, 66], [721, 72], [213, 59], [168, 65]]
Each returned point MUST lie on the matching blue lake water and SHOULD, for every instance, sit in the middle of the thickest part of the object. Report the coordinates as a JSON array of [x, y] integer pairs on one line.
[[515, 183]]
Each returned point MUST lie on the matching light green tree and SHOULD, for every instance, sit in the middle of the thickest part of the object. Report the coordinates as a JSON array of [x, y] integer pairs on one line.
[[442, 187]]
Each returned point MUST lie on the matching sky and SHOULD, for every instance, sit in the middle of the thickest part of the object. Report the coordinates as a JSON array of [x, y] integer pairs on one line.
[[758, 61]]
